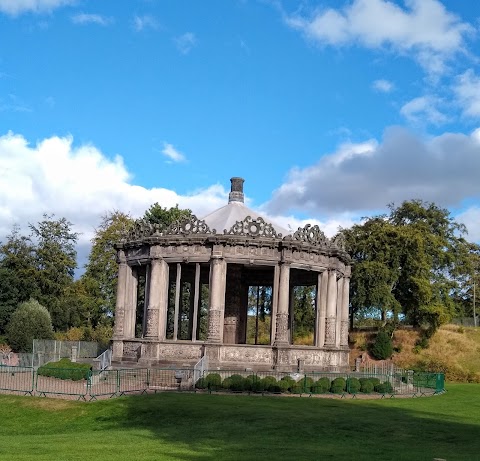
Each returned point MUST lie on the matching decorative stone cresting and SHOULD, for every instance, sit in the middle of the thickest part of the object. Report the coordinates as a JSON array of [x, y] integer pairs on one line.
[[253, 228], [310, 234], [143, 228], [189, 226]]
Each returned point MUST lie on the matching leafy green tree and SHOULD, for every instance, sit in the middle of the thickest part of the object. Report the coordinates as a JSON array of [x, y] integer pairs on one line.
[[30, 321], [100, 277], [55, 263], [17, 274], [156, 214], [411, 261]]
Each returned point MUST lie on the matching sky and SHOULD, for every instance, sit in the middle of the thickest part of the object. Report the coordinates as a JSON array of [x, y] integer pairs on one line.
[[329, 109]]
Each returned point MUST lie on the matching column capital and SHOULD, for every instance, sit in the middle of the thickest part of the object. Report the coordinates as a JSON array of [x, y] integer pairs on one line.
[[155, 252]]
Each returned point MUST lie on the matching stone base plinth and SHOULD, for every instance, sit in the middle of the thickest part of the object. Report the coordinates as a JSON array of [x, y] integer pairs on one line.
[[147, 352]]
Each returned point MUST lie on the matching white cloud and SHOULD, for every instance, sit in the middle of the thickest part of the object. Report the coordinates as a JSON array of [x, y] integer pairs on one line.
[[424, 109], [79, 183], [443, 169], [17, 7], [383, 86], [467, 90], [424, 28], [173, 154], [186, 42], [144, 22], [85, 18]]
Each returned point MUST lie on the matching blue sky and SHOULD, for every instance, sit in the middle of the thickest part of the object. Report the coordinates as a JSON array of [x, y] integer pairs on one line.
[[329, 109]]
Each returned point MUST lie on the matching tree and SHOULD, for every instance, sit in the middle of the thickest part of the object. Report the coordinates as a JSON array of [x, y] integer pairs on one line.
[[30, 321], [17, 274], [100, 277], [411, 261], [163, 216], [55, 263]]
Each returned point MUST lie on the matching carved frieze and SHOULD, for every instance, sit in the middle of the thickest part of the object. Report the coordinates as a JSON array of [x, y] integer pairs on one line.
[[180, 351], [246, 354], [253, 228]]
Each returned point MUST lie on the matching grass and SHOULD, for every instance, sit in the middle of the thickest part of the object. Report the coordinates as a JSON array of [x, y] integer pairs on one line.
[[223, 427]]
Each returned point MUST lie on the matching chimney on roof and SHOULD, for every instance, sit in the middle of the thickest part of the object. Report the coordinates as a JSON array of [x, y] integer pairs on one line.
[[236, 191]]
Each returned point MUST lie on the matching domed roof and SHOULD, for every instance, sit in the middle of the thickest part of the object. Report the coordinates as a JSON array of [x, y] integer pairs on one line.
[[227, 216]]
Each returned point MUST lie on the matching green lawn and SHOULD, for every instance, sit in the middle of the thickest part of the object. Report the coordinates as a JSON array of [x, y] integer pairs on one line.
[[217, 427]]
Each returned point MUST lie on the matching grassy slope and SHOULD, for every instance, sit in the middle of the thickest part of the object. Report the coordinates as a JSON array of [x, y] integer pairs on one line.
[[453, 350], [207, 427]]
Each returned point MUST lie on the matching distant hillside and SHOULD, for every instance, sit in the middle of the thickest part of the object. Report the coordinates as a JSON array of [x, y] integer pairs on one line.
[[454, 350]]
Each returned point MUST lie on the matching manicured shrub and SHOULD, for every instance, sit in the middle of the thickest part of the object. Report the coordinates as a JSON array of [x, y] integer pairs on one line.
[[201, 383], [269, 382], [65, 369], [28, 322], [382, 347], [254, 383], [214, 381], [384, 388], [289, 380], [226, 383], [366, 386], [338, 386], [374, 381], [298, 387], [321, 386], [237, 383], [353, 385], [282, 386], [308, 383]]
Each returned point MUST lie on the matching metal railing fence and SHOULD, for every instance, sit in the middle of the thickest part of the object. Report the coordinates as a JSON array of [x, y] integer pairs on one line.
[[87, 384]]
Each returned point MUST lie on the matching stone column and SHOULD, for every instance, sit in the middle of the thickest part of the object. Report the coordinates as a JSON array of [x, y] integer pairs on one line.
[[196, 300], [178, 292], [273, 323], [130, 304], [121, 295], [338, 322], [322, 287], [345, 311], [157, 299], [216, 305], [281, 335], [231, 322], [331, 309]]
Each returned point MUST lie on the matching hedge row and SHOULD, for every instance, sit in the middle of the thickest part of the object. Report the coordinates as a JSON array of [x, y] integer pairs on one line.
[[65, 369], [306, 385]]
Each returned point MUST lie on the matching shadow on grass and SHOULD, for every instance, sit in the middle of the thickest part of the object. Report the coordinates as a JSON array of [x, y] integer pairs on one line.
[[230, 427]]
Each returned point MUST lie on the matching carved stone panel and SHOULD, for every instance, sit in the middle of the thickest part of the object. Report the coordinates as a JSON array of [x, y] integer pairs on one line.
[[131, 349], [330, 331], [152, 323], [214, 324], [257, 354], [282, 328], [344, 333]]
